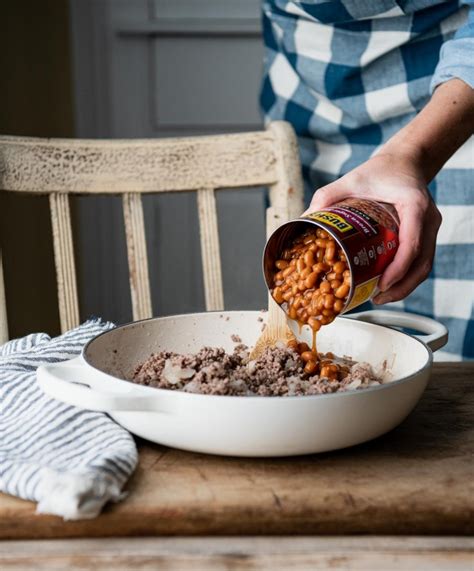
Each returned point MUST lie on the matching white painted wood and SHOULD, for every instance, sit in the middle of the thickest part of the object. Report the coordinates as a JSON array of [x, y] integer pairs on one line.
[[404, 553], [64, 260], [83, 166], [132, 167], [210, 250], [3, 306], [277, 327], [137, 256], [287, 191]]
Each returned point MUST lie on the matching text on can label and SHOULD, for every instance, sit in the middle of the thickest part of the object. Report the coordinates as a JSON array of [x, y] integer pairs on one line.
[[333, 220]]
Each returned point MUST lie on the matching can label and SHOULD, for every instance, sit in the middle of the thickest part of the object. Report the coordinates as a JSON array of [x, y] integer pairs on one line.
[[368, 233], [333, 220]]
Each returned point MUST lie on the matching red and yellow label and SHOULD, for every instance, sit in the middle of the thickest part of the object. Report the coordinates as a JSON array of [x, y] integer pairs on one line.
[[331, 219], [362, 293]]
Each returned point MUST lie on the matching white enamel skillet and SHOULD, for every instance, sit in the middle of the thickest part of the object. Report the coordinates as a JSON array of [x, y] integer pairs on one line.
[[250, 426]]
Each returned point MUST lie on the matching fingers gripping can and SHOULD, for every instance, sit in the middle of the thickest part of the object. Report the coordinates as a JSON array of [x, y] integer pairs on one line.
[[365, 230]]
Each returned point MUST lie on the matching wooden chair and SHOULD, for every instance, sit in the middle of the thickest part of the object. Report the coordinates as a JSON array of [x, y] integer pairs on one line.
[[61, 167]]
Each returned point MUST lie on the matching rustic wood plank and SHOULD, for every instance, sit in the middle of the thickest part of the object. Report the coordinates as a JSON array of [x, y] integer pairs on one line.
[[219, 554], [210, 250], [137, 256], [3, 306], [277, 326], [415, 480], [287, 192], [64, 260], [137, 165]]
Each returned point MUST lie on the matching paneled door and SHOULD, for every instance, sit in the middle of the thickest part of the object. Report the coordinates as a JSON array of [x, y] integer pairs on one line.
[[167, 68]]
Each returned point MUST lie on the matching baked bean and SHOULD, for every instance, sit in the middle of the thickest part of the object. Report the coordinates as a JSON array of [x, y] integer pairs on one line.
[[324, 372], [323, 364], [314, 324], [339, 267], [311, 367], [287, 295], [342, 291], [311, 280], [320, 303], [308, 356], [328, 301], [311, 283], [325, 287], [278, 295], [309, 258], [330, 250], [312, 311], [281, 264], [321, 267], [287, 271], [302, 347]]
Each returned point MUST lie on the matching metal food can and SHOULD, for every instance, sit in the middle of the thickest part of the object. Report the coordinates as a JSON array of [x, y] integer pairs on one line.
[[365, 230]]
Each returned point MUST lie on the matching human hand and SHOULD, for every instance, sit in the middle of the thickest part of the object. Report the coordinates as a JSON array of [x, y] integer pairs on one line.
[[398, 180]]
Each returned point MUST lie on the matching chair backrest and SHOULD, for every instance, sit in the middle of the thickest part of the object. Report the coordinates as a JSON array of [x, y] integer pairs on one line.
[[60, 167]]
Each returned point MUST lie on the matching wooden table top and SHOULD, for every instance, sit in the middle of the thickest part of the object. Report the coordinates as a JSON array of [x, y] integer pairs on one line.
[[418, 479]]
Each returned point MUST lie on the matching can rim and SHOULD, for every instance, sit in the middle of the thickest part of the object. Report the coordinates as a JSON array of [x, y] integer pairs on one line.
[[313, 222]]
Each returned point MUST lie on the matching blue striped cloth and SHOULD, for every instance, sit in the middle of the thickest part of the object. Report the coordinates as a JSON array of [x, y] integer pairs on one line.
[[70, 461], [348, 75]]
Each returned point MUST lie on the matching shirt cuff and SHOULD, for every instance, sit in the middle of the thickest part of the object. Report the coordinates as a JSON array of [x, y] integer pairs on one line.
[[456, 62]]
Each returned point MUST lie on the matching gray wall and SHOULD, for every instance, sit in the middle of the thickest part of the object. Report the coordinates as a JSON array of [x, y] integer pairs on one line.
[[35, 100], [158, 69]]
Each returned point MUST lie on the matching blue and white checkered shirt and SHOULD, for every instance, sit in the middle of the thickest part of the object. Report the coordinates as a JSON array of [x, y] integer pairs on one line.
[[348, 75]]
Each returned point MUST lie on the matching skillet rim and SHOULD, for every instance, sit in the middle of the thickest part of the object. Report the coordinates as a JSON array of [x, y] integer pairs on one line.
[[183, 394]]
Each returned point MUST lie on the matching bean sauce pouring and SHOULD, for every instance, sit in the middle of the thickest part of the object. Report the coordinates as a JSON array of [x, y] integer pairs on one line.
[[328, 262]]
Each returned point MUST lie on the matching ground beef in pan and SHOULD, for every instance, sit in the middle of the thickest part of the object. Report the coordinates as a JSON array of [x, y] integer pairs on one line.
[[277, 372]]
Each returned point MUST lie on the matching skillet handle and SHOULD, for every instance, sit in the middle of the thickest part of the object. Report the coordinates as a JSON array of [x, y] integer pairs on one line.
[[436, 334], [72, 383]]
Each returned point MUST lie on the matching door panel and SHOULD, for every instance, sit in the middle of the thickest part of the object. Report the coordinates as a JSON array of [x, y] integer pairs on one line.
[[161, 69], [207, 83]]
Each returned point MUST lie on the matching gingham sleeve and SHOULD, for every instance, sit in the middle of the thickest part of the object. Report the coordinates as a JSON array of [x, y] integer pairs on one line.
[[457, 55]]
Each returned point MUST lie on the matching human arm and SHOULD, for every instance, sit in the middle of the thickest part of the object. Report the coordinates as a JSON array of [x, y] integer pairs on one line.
[[399, 174]]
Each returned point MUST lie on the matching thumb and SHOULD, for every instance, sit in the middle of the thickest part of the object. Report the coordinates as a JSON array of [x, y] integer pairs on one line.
[[327, 195]]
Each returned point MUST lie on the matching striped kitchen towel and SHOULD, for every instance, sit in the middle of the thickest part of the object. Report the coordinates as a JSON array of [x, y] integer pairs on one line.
[[70, 461]]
